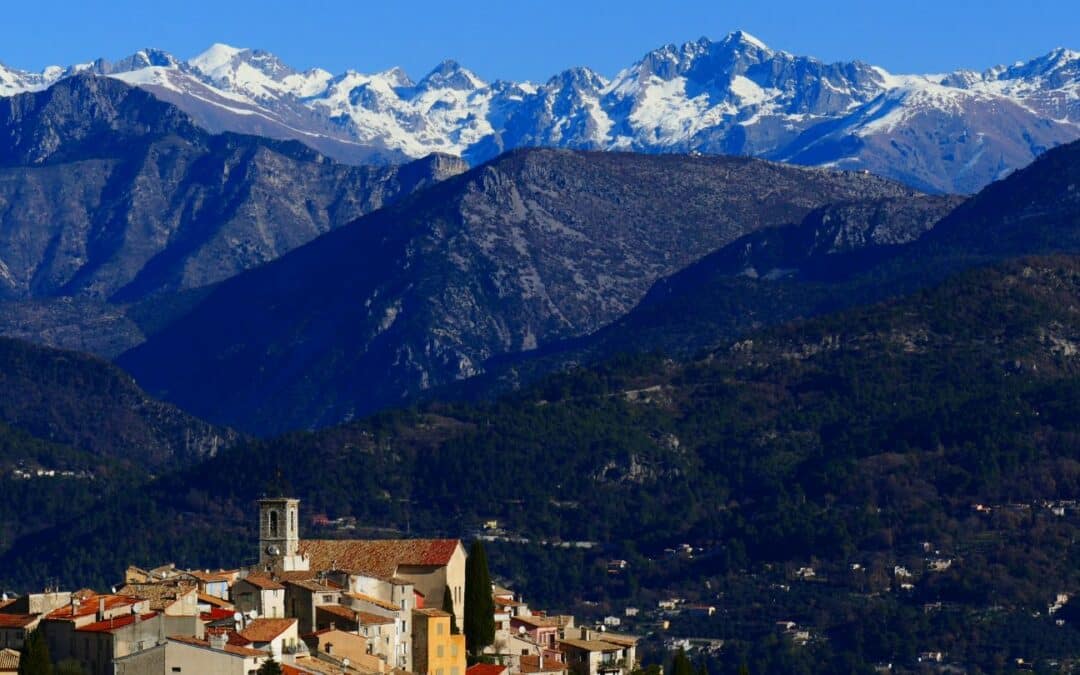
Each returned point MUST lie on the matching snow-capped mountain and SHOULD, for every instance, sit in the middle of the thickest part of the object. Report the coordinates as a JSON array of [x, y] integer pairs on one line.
[[949, 132]]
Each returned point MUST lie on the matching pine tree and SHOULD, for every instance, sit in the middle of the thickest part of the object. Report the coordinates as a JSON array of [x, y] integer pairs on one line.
[[680, 664], [34, 658], [448, 607], [479, 605], [270, 667]]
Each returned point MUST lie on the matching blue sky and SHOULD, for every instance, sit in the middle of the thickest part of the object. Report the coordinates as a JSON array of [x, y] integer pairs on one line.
[[532, 39]]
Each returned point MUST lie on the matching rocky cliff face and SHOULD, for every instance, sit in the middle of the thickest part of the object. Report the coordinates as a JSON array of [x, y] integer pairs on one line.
[[534, 247], [107, 192]]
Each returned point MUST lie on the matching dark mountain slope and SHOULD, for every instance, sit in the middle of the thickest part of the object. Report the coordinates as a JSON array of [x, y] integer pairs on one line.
[[94, 407], [536, 246], [107, 193], [839, 256], [849, 436]]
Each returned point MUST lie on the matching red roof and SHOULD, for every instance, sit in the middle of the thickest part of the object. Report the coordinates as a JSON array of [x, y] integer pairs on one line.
[[17, 620], [89, 605], [235, 650], [485, 669], [109, 625], [217, 614], [377, 557], [262, 582], [265, 630]]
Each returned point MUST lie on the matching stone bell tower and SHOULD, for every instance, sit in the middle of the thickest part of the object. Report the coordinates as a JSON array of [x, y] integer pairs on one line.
[[279, 535]]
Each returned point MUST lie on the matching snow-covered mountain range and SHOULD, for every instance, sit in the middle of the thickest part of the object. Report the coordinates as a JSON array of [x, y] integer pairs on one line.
[[947, 132]]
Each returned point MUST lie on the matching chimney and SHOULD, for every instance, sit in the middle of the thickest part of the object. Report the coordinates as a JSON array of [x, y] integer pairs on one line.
[[101, 609], [218, 641]]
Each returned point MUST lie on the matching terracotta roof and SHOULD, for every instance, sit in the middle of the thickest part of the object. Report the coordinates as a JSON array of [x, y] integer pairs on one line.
[[296, 575], [339, 610], [17, 620], [530, 663], [89, 605], [373, 600], [160, 596], [369, 619], [265, 630], [231, 649], [9, 660], [432, 611], [377, 557], [507, 603], [536, 621], [109, 625], [313, 586], [591, 645], [485, 669], [622, 640], [215, 601], [217, 614], [262, 582], [208, 577]]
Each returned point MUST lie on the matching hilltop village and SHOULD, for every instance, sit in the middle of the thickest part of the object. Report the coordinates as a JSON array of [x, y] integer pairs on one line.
[[308, 606]]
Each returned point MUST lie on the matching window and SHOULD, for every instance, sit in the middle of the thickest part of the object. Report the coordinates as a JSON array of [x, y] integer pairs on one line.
[[177, 669], [440, 651], [453, 652], [439, 628], [273, 523], [327, 598], [455, 671], [438, 671], [292, 521]]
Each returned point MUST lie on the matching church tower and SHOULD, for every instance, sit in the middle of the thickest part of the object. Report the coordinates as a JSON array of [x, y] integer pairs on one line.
[[279, 535]]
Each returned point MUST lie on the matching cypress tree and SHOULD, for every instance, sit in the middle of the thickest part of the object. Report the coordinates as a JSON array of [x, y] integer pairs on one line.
[[270, 667], [479, 605], [448, 607], [34, 657], [681, 665]]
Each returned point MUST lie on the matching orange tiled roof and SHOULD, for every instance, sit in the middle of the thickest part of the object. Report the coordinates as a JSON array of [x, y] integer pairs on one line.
[[89, 605], [432, 612], [109, 625], [373, 600], [377, 557], [160, 596], [530, 663], [9, 660], [296, 575], [214, 601], [263, 582], [265, 630], [485, 669], [369, 619], [17, 620], [235, 650], [313, 586], [339, 610]]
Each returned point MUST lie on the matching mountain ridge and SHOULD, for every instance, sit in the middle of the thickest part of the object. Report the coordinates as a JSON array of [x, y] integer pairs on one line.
[[948, 133]]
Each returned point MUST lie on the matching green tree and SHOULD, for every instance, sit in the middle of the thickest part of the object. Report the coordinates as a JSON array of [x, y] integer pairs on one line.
[[69, 667], [34, 658], [270, 667], [680, 664], [479, 604], [448, 607]]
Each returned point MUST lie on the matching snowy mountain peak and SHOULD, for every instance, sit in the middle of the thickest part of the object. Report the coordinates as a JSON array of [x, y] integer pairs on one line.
[[215, 58], [744, 39], [735, 95], [450, 75]]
